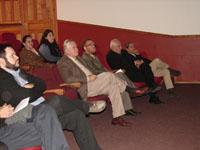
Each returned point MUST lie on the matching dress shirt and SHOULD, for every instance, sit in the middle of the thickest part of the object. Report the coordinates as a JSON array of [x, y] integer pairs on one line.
[[22, 82], [82, 67]]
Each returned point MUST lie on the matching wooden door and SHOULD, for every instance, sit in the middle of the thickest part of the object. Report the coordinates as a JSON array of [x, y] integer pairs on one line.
[[28, 17], [38, 16]]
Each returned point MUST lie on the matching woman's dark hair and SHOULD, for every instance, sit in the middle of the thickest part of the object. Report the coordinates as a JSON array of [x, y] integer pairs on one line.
[[44, 36], [54, 48]]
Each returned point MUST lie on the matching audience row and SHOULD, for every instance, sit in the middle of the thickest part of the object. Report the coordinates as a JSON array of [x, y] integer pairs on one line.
[[93, 79]]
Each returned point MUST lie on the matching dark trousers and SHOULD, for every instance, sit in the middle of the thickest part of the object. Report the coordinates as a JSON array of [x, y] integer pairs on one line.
[[148, 75], [42, 129], [143, 74], [71, 114]]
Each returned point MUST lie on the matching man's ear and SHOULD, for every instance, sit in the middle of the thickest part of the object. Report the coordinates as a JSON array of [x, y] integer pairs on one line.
[[84, 47], [2, 62]]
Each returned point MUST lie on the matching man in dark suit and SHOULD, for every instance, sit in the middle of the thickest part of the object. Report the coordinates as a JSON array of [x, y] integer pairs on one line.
[[16, 85], [117, 58], [158, 67]]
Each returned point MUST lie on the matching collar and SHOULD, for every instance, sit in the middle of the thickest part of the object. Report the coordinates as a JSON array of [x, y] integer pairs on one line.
[[11, 71], [72, 58]]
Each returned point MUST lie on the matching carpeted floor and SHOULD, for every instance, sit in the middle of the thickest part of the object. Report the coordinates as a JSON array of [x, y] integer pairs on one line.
[[174, 125]]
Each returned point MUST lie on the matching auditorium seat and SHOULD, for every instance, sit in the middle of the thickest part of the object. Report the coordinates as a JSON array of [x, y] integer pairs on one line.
[[10, 38], [36, 44]]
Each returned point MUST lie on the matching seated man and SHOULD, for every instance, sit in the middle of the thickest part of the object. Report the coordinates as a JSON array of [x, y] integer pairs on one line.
[[158, 67], [43, 128], [72, 69], [16, 85], [93, 63], [119, 59]]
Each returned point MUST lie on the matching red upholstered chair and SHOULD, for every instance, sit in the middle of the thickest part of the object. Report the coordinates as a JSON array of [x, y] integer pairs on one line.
[[10, 38], [35, 44], [158, 81], [53, 80]]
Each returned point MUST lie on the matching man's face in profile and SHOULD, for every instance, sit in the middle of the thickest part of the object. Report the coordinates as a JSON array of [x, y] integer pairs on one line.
[[11, 59]]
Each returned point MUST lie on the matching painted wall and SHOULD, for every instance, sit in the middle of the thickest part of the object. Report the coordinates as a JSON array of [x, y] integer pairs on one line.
[[182, 52], [172, 17]]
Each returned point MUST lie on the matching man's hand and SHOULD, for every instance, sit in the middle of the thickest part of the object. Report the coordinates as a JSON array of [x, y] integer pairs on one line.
[[29, 85], [92, 77], [138, 63], [6, 111], [55, 91]]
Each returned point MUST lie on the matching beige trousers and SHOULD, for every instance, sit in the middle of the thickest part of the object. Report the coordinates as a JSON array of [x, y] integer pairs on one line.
[[108, 84], [160, 69], [122, 76]]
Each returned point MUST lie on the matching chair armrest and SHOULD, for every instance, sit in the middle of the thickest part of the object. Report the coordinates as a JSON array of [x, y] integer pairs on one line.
[[72, 85], [55, 91]]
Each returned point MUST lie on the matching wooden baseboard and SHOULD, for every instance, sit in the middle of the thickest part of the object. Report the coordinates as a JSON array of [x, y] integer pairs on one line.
[[187, 82]]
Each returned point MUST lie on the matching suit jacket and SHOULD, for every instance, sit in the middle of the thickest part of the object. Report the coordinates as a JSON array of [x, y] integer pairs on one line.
[[125, 61], [93, 63], [70, 73], [12, 93], [139, 57]]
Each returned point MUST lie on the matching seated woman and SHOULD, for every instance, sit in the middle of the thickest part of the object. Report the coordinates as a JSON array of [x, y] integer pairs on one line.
[[49, 49], [29, 56]]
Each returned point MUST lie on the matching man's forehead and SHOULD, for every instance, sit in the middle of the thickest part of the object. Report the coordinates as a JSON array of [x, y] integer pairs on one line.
[[29, 39], [90, 41], [131, 44], [9, 51]]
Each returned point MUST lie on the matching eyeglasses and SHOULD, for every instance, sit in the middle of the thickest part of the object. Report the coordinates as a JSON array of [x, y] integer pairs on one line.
[[91, 44]]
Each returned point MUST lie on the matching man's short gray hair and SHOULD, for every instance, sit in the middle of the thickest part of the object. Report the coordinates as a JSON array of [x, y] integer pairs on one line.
[[66, 43], [113, 42]]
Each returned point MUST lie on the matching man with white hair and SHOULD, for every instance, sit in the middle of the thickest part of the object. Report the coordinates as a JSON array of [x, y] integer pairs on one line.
[[73, 69], [117, 59]]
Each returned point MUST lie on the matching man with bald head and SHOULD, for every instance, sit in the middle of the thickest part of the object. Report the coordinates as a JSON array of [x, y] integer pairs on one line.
[[117, 58], [73, 69]]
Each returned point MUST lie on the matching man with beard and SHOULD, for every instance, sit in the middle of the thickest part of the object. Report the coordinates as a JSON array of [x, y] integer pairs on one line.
[[16, 85]]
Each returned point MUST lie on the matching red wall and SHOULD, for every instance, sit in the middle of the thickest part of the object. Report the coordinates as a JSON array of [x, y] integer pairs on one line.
[[182, 52]]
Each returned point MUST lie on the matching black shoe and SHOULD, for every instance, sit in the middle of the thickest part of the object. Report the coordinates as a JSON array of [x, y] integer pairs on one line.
[[155, 89], [129, 90], [174, 72], [155, 100], [171, 93], [131, 112]]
